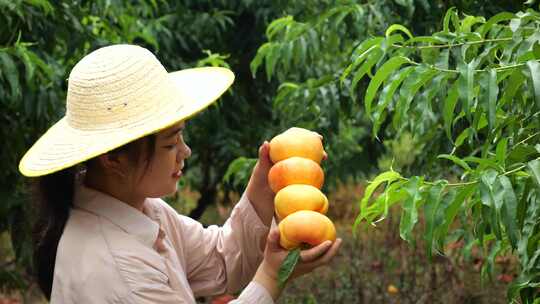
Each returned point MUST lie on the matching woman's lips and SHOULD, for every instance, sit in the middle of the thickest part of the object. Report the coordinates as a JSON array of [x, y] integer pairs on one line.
[[177, 174]]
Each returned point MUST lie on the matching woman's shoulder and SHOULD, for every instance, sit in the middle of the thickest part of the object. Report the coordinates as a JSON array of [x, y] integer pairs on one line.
[[160, 208], [172, 221], [84, 264]]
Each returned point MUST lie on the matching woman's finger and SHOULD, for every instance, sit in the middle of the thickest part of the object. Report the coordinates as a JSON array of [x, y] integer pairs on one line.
[[312, 254], [272, 241], [331, 252], [322, 260], [264, 151]]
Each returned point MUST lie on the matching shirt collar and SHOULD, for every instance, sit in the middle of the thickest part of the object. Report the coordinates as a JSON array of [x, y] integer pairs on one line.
[[119, 213]]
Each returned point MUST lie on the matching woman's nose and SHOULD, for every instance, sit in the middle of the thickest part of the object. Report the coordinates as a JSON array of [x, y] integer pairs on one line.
[[183, 153]]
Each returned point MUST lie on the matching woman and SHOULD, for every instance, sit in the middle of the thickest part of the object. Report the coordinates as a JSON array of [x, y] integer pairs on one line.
[[104, 236]]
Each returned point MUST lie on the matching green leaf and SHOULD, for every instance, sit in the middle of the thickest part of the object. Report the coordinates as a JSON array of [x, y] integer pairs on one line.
[[461, 137], [493, 91], [256, 62], [398, 27], [29, 66], [431, 211], [468, 22], [487, 182], [9, 69], [487, 267], [466, 86], [360, 54], [492, 197], [529, 225], [521, 154], [534, 168], [484, 163], [393, 193], [409, 89], [271, 60], [287, 267], [504, 16], [456, 161], [449, 106], [409, 211], [385, 177], [509, 211], [371, 60], [387, 94], [514, 83], [450, 14], [536, 50], [278, 25], [451, 211], [534, 68], [384, 71], [501, 151]]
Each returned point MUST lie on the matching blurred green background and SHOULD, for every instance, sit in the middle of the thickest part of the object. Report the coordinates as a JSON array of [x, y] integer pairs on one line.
[[41, 40]]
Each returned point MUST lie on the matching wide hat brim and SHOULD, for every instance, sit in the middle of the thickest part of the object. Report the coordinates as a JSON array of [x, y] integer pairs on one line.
[[63, 146]]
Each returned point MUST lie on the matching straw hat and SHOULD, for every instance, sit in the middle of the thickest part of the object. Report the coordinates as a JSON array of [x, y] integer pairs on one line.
[[117, 94]]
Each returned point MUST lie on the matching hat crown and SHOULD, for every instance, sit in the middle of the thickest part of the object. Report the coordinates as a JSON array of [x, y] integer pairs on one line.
[[116, 86]]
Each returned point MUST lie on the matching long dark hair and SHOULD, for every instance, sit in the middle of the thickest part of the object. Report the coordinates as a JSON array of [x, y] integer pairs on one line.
[[54, 198]]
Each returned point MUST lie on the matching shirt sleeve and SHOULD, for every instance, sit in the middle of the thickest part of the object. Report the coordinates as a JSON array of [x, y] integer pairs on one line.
[[160, 293], [223, 259], [254, 293]]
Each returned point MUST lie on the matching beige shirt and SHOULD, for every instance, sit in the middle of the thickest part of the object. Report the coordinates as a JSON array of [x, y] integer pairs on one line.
[[112, 253]]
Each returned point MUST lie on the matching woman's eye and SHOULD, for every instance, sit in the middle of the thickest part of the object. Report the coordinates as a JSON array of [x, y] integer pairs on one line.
[[170, 147]]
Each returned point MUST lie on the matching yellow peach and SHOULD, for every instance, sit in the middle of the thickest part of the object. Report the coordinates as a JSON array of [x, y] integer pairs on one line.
[[299, 197], [305, 227], [295, 170], [296, 142]]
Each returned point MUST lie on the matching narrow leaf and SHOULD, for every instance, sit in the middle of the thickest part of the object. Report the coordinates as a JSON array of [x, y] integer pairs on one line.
[[534, 68], [385, 177], [409, 214], [287, 267], [409, 89], [371, 60], [534, 168], [501, 151], [256, 62], [398, 27], [509, 212], [449, 106], [9, 69], [504, 16], [456, 161], [431, 208], [387, 95], [450, 14], [384, 71], [493, 91], [466, 88], [452, 210]]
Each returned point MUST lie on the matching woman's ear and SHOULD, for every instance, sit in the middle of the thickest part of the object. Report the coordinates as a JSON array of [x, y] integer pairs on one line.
[[115, 163]]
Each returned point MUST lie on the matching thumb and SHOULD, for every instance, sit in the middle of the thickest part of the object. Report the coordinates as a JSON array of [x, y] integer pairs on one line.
[[264, 154]]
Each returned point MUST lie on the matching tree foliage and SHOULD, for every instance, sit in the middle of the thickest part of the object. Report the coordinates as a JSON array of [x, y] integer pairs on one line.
[[471, 94], [467, 95]]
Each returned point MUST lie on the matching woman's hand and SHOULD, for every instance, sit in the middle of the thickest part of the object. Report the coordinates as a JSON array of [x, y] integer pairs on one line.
[[258, 191], [274, 254]]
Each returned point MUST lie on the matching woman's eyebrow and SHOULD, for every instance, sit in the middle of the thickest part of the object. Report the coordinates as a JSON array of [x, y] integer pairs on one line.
[[174, 132]]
